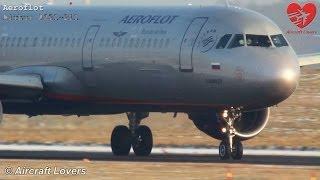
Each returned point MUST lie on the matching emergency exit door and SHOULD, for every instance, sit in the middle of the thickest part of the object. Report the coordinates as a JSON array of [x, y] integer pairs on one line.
[[88, 45], [188, 43]]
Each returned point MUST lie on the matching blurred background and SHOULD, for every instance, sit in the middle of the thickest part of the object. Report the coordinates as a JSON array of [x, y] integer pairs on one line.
[[295, 123]]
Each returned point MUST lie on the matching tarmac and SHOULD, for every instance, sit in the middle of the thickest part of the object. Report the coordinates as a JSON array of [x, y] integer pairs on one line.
[[159, 154]]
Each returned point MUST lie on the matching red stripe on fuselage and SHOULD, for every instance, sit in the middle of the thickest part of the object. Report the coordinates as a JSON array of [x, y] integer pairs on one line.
[[80, 98]]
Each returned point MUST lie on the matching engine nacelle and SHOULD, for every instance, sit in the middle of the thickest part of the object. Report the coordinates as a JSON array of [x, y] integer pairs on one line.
[[250, 125], [1, 112]]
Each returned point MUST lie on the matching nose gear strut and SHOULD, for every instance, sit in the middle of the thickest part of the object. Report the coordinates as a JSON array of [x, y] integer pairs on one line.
[[231, 145]]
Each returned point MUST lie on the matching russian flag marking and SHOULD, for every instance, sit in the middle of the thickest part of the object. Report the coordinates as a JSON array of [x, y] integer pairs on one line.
[[215, 66]]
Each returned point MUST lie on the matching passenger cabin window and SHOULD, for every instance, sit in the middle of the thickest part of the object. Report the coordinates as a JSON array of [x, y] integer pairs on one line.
[[13, 41], [44, 40], [149, 42], [223, 41], [73, 42], [258, 40], [237, 41], [101, 42], [114, 41], [55, 42], [155, 43], [119, 42], [25, 43], [161, 43], [19, 41], [78, 42], [66, 44], [167, 42], [131, 42], [61, 41], [35, 41], [279, 40], [125, 43], [2, 41], [49, 41], [107, 42], [143, 43], [137, 43], [8, 41]]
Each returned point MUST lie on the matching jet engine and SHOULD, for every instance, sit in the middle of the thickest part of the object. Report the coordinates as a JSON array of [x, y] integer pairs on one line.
[[250, 124], [1, 112]]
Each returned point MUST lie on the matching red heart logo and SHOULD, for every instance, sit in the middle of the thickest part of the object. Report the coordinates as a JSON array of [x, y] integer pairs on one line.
[[301, 16]]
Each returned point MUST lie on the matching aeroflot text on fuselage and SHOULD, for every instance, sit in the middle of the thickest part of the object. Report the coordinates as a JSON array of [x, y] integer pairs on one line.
[[23, 7], [148, 19]]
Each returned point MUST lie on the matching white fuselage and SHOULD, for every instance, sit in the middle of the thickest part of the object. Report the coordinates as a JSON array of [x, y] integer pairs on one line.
[[152, 56]]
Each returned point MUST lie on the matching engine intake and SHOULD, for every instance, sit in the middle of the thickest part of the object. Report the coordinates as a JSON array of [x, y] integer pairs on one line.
[[250, 125]]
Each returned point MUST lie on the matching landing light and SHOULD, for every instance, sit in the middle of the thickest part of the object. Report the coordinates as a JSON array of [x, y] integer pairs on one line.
[[225, 114], [288, 75], [224, 130]]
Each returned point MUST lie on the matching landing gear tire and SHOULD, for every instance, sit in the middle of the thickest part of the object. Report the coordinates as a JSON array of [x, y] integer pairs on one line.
[[121, 141], [237, 150], [143, 141], [224, 150]]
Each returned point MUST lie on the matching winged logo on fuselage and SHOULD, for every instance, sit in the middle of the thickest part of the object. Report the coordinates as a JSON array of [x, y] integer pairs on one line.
[[120, 33], [207, 40]]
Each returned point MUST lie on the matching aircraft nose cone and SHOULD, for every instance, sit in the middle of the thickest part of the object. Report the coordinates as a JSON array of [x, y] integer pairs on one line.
[[289, 75], [284, 82], [288, 82]]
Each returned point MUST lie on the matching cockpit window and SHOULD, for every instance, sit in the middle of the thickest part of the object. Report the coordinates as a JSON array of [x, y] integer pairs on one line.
[[237, 41], [223, 41], [279, 40], [258, 40]]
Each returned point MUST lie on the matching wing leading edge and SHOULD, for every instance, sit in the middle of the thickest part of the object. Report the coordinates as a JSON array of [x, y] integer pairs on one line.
[[309, 59], [20, 86]]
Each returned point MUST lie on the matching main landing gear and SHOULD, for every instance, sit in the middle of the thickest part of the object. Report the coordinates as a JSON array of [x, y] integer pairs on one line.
[[231, 145], [137, 136]]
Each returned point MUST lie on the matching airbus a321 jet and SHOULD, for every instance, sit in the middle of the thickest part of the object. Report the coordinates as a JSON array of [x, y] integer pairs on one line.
[[223, 66]]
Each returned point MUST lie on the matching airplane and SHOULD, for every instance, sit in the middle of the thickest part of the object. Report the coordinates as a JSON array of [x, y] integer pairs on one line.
[[223, 66]]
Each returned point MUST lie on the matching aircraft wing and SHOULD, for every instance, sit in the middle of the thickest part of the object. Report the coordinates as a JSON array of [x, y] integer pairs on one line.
[[309, 59], [20, 86]]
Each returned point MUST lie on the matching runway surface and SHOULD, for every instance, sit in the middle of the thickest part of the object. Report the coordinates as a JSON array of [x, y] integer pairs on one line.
[[159, 154]]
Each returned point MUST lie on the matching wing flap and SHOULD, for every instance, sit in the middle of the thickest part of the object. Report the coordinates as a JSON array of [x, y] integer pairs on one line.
[[20, 86], [309, 59]]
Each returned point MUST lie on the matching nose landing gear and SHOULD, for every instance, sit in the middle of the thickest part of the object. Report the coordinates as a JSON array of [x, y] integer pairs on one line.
[[137, 136], [231, 146]]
